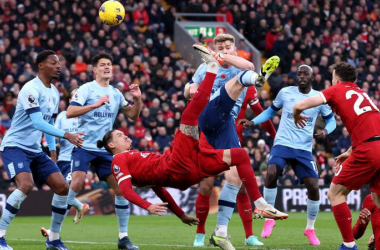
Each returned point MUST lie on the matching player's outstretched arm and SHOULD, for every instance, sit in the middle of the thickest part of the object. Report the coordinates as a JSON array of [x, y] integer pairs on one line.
[[268, 125], [267, 114], [300, 106], [75, 109], [362, 223], [133, 111], [341, 158]]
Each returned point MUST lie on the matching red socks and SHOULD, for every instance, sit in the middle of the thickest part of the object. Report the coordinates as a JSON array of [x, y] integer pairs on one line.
[[240, 159], [343, 218], [200, 100], [202, 206], [245, 211]]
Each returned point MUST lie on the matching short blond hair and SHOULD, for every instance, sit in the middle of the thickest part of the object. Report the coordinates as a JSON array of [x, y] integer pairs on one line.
[[221, 38]]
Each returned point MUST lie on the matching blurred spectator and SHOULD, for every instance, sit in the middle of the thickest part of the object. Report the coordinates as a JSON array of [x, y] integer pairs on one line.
[[343, 144], [162, 138]]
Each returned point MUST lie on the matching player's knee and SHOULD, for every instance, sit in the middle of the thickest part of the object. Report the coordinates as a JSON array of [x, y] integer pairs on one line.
[[272, 172], [206, 189], [331, 195], [25, 187], [62, 189]]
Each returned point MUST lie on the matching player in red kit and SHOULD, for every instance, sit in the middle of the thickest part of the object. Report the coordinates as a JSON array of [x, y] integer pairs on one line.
[[361, 163], [202, 205], [185, 163], [369, 213]]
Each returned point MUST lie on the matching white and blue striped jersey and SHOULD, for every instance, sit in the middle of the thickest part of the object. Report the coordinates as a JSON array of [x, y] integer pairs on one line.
[[288, 134], [223, 76], [69, 125], [97, 122], [33, 97]]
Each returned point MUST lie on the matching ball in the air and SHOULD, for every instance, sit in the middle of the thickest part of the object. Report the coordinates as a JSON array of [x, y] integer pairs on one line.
[[112, 12]]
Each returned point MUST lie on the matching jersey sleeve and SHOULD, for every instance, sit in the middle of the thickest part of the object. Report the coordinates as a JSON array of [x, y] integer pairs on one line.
[[199, 74], [278, 102], [326, 112], [369, 204], [119, 168], [28, 98], [80, 96], [329, 94], [122, 102], [252, 96]]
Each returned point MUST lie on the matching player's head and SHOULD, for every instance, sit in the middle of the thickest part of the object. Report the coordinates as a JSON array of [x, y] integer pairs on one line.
[[225, 43], [115, 142], [344, 72], [73, 91], [304, 76], [102, 66], [48, 64]]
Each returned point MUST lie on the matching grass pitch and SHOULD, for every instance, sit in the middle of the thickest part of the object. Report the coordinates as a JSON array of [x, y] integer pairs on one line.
[[168, 232]]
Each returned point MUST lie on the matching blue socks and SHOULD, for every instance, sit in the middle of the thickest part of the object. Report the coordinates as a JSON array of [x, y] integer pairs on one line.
[[58, 208], [13, 205], [226, 203], [122, 214], [270, 195], [77, 204], [71, 199]]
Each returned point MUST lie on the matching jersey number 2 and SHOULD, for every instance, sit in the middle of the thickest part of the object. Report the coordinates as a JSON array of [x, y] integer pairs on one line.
[[359, 101]]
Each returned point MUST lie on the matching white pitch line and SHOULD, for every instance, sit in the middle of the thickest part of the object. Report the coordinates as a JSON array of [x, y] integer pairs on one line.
[[113, 243]]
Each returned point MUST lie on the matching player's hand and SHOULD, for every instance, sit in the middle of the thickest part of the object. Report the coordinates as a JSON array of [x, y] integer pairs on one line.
[[300, 120], [321, 133], [75, 139], [371, 242], [53, 156], [365, 216], [189, 220], [246, 123], [101, 101], [341, 158], [135, 91], [158, 208], [193, 89]]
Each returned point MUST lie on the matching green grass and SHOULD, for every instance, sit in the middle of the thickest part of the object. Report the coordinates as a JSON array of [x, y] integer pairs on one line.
[[168, 232]]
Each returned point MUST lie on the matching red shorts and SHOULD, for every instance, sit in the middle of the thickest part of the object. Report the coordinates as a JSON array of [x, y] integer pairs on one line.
[[210, 160], [182, 162], [361, 167]]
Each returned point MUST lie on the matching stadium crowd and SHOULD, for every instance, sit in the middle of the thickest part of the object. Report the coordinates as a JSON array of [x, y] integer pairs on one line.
[[318, 34]]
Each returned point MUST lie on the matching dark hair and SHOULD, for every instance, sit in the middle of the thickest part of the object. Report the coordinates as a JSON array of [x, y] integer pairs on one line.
[[99, 56], [345, 71], [43, 55], [106, 139], [72, 91]]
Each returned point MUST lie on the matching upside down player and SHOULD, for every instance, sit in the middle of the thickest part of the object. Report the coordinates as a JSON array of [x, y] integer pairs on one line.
[[217, 123], [243, 202], [293, 146], [184, 164], [369, 213], [361, 163], [97, 104]]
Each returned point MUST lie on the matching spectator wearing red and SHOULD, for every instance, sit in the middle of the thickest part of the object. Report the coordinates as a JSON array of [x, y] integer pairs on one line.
[[139, 129], [80, 65], [166, 111], [140, 12], [223, 10]]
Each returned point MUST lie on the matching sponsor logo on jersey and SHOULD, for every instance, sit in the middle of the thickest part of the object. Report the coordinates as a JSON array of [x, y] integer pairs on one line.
[[77, 164], [144, 155], [116, 169], [20, 165]]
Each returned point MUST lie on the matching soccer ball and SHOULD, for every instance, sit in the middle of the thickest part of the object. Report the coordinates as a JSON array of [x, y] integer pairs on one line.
[[111, 12]]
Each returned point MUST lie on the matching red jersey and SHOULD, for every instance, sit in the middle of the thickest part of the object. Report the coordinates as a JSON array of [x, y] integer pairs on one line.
[[251, 99], [359, 114], [359, 229]]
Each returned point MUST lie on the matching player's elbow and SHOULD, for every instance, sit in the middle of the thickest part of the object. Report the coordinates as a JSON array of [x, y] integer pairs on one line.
[[69, 113]]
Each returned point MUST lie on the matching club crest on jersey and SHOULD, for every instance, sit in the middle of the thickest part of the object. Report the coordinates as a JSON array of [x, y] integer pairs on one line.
[[20, 165], [116, 169], [77, 164]]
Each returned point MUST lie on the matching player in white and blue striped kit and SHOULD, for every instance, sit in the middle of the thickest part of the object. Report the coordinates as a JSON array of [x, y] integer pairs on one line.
[[97, 104], [293, 146], [24, 160]]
